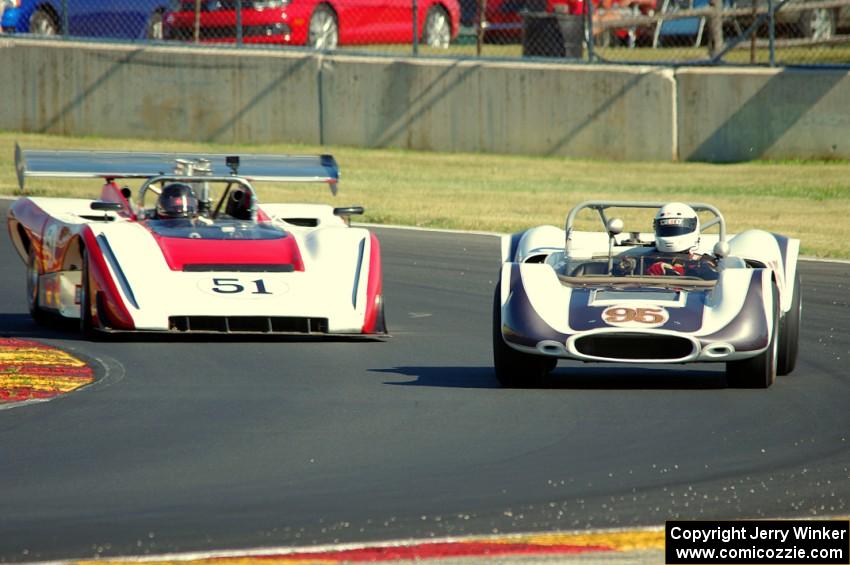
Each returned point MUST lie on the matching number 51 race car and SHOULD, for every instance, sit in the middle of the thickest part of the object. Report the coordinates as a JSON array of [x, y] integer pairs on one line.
[[613, 296], [193, 251]]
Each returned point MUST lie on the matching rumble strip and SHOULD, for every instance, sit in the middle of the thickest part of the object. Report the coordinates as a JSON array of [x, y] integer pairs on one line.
[[33, 371]]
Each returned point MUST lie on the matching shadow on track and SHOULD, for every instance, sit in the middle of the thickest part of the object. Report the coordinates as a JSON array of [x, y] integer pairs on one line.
[[23, 326], [568, 377]]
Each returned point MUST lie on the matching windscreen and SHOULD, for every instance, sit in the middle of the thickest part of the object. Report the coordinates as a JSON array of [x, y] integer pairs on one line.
[[220, 229]]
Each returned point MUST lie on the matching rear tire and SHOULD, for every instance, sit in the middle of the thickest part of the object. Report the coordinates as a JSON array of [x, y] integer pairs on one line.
[[323, 30], [789, 332], [153, 29], [42, 22], [515, 369], [759, 371]]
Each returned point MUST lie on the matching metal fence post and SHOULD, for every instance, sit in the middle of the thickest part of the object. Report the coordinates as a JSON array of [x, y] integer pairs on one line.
[[716, 27], [481, 6], [238, 23], [415, 30], [588, 22], [65, 19], [771, 26], [197, 26]]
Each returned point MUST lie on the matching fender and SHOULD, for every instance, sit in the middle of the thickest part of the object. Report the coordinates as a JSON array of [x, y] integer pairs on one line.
[[373, 320], [111, 311], [537, 243]]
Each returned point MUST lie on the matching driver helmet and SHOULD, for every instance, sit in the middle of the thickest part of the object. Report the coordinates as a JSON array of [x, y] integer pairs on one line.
[[676, 228], [177, 200]]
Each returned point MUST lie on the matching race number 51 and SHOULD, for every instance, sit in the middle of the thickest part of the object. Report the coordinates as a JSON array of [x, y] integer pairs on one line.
[[235, 286]]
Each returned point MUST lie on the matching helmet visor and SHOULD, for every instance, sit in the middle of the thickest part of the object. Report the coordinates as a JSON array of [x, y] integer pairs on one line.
[[671, 227]]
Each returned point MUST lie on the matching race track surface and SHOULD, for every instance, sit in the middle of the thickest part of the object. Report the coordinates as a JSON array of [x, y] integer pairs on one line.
[[188, 444]]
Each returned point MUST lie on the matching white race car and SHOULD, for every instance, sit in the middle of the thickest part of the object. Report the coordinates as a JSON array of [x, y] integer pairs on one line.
[[220, 263], [595, 296]]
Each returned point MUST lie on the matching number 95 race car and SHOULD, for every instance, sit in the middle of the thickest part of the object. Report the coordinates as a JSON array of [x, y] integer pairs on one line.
[[675, 295], [194, 251]]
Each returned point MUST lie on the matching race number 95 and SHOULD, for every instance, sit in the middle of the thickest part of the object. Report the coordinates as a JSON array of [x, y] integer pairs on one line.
[[628, 316]]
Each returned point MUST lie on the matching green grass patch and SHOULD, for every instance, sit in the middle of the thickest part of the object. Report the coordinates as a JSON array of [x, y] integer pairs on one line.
[[805, 199]]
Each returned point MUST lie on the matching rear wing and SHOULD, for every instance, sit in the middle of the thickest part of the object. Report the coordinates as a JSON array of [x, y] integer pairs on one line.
[[111, 165]]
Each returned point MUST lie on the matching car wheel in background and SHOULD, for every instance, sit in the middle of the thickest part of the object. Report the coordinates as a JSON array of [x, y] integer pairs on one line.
[[437, 31], [605, 38], [514, 368], [323, 33], [818, 24], [153, 29], [758, 371], [42, 22], [789, 332]]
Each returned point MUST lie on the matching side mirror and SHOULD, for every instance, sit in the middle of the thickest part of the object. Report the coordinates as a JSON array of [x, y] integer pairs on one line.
[[349, 211], [721, 249], [104, 206]]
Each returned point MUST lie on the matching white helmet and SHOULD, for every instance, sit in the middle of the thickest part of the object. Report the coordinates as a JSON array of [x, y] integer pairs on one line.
[[676, 228]]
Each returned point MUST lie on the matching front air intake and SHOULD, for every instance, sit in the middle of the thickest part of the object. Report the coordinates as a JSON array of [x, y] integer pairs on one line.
[[248, 324], [638, 347]]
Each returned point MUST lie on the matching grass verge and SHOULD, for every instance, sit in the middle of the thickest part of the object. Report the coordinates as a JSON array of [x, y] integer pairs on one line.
[[805, 199]]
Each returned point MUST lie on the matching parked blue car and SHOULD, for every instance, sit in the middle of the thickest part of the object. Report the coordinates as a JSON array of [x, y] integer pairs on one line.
[[123, 19]]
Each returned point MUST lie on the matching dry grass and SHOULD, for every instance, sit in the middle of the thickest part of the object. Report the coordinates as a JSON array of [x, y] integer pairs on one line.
[[809, 200]]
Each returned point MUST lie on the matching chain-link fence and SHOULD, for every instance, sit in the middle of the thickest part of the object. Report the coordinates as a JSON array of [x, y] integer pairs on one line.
[[808, 32]]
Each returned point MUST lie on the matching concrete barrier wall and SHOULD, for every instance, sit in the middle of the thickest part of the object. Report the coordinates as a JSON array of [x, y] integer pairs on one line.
[[258, 97], [730, 115], [582, 111], [577, 111], [158, 93]]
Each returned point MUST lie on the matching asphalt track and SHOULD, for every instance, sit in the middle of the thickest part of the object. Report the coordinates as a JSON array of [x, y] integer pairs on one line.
[[192, 445]]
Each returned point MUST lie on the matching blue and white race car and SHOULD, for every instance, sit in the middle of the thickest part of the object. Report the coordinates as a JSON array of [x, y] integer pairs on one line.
[[674, 295]]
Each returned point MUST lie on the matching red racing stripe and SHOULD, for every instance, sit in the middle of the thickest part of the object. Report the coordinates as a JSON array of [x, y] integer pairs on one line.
[[439, 550]]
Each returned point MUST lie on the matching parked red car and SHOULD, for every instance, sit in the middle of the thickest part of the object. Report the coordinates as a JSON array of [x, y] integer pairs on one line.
[[320, 24], [504, 18]]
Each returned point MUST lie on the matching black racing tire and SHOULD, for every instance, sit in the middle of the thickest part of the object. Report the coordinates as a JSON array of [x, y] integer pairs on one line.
[[380, 317], [515, 369], [43, 22], [323, 29], [759, 371], [789, 332], [39, 315], [86, 318]]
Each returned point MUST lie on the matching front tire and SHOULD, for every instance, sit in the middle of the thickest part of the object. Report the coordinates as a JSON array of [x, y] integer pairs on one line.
[[323, 33], [86, 318], [789, 332], [759, 371], [437, 31], [514, 368], [40, 316]]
